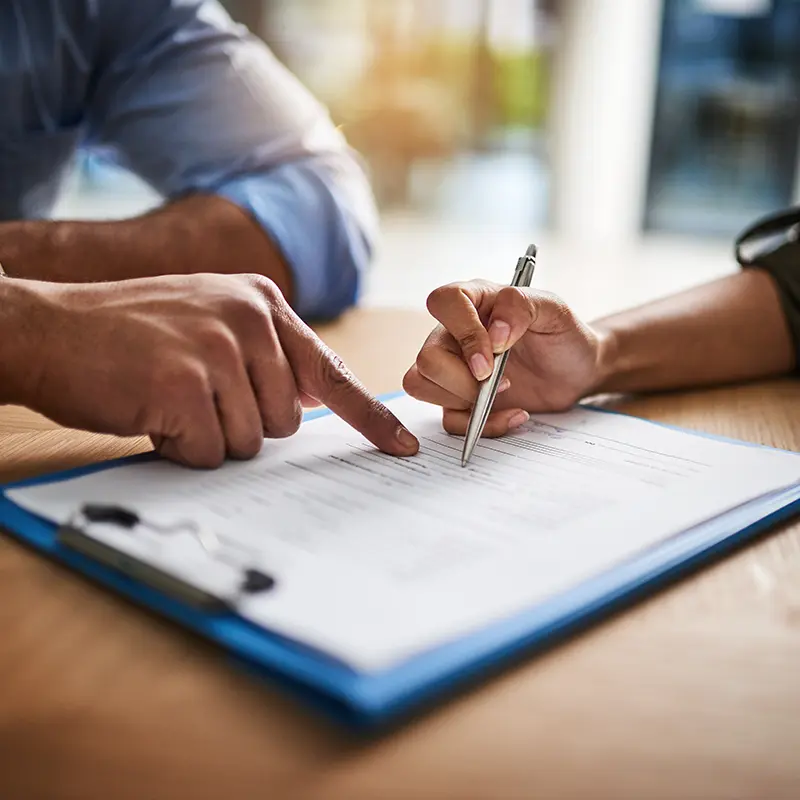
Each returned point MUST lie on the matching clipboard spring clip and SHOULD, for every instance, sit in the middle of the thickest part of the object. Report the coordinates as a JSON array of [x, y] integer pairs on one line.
[[254, 581]]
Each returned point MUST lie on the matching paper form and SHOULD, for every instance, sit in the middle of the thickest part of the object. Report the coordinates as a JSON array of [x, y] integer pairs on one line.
[[377, 558]]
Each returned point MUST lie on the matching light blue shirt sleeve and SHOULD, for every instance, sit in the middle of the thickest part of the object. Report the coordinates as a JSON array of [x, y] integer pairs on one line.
[[193, 103]]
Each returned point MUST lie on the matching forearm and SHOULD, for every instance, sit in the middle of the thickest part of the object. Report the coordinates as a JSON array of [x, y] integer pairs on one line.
[[201, 233], [730, 330]]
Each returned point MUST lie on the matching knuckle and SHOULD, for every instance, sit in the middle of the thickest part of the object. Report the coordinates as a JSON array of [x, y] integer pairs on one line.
[[563, 311], [451, 422], [250, 294], [481, 285], [250, 446], [516, 306], [437, 337], [186, 381], [514, 297], [214, 458], [266, 287], [412, 381], [251, 314], [378, 418], [440, 296], [555, 301], [288, 424], [428, 362], [220, 344], [335, 373], [471, 340], [295, 419], [558, 313], [204, 453]]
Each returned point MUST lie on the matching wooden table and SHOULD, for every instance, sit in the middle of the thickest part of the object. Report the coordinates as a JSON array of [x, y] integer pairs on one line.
[[693, 694]]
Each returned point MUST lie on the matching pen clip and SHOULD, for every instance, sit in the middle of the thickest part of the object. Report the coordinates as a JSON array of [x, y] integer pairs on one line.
[[528, 264]]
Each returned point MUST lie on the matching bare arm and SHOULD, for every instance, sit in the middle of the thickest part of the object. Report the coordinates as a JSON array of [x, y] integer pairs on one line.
[[201, 233], [730, 330], [256, 176], [733, 329]]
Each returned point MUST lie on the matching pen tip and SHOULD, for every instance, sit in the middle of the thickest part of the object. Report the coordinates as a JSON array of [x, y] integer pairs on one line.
[[531, 251], [464, 462]]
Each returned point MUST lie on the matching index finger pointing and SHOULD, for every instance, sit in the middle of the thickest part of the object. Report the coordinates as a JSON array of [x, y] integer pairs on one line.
[[321, 374]]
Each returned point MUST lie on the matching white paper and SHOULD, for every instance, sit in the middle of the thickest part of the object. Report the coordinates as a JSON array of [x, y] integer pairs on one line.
[[378, 558]]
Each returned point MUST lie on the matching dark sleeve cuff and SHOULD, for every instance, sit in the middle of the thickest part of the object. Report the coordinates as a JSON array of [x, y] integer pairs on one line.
[[781, 259]]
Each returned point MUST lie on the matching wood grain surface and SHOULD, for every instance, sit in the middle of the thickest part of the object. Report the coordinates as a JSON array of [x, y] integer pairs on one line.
[[694, 693]]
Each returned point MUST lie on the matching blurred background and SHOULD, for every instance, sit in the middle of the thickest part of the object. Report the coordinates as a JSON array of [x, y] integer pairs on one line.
[[630, 139]]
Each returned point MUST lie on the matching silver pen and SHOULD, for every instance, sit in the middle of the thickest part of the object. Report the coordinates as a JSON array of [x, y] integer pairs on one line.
[[523, 274]]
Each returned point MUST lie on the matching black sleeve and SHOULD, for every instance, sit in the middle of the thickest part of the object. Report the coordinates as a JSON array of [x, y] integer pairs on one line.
[[773, 244]]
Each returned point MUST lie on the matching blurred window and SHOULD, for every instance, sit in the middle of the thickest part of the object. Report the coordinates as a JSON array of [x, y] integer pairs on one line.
[[727, 122], [445, 99]]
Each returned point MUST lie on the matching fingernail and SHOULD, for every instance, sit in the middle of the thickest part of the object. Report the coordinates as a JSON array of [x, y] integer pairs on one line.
[[499, 333], [520, 418], [480, 366], [406, 438], [504, 384]]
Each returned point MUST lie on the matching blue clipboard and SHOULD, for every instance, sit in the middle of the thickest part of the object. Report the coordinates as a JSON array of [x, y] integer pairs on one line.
[[377, 700]]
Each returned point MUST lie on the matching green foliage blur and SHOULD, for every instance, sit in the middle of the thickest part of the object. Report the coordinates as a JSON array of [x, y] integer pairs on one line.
[[521, 82], [517, 82]]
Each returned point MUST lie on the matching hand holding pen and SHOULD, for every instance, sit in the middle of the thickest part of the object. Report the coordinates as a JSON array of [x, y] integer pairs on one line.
[[523, 274], [554, 359]]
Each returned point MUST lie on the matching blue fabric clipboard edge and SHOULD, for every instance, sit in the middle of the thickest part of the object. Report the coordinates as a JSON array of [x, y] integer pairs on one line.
[[375, 700]]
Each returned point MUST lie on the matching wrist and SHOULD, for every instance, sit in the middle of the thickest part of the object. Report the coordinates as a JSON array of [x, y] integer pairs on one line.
[[23, 321], [607, 359]]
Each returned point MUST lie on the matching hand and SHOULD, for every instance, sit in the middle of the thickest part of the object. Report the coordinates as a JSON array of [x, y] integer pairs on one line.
[[206, 365], [554, 358]]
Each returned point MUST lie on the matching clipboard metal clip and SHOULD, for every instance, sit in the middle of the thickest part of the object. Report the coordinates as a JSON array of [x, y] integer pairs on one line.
[[75, 535]]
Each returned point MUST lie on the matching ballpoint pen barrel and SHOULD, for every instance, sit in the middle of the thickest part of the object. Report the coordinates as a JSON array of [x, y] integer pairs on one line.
[[523, 273], [483, 407]]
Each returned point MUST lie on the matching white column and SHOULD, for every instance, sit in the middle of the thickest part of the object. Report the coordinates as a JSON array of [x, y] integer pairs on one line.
[[601, 116]]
